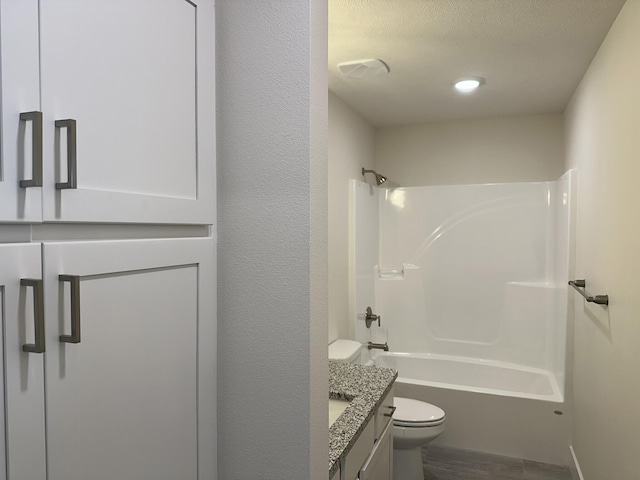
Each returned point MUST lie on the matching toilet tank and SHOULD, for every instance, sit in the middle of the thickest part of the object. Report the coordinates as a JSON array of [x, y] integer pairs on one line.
[[347, 351]]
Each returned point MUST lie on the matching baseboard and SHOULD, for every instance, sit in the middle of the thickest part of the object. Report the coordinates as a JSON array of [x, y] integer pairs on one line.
[[574, 466]]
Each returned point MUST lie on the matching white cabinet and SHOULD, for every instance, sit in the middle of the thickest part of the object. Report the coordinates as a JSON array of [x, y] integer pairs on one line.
[[23, 456], [129, 333], [127, 102], [130, 390], [384, 414], [20, 93], [107, 116], [379, 465], [371, 457], [360, 451]]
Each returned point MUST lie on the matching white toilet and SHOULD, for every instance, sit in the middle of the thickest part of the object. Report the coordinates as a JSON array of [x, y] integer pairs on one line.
[[347, 351], [415, 423]]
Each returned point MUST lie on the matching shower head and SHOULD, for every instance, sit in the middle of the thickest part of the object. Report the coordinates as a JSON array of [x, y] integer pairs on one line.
[[380, 179]]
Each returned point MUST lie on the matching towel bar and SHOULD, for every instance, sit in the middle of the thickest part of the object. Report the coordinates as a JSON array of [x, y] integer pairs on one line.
[[580, 285]]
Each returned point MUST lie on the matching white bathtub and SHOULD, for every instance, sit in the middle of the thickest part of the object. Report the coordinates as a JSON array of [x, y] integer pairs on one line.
[[490, 406], [472, 375]]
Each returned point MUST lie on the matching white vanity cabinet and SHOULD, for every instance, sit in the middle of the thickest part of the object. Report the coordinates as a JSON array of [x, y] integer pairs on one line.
[[126, 129], [379, 464], [336, 476], [371, 457]]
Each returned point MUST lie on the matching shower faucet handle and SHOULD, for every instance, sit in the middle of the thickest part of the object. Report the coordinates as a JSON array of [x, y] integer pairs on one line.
[[370, 317]]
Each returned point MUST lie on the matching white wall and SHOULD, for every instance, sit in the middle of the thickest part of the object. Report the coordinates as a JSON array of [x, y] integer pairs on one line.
[[603, 142], [272, 192], [351, 147], [495, 150]]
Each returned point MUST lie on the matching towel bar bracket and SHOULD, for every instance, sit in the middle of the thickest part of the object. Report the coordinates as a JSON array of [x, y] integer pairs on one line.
[[580, 285]]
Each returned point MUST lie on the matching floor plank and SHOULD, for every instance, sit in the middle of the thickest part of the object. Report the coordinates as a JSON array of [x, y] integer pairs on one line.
[[446, 463]]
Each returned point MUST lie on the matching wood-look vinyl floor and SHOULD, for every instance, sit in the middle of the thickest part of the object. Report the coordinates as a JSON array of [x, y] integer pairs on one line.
[[445, 463]]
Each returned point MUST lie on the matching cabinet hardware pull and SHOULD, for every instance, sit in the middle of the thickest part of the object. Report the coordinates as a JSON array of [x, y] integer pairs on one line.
[[75, 308], [393, 410], [72, 172], [38, 315], [36, 149]]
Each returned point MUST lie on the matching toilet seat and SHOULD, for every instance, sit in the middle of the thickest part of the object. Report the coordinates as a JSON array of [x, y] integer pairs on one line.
[[416, 414]]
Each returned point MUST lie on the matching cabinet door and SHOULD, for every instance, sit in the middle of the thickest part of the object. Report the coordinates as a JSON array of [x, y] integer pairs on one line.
[[20, 89], [379, 464], [137, 78], [134, 396], [22, 448]]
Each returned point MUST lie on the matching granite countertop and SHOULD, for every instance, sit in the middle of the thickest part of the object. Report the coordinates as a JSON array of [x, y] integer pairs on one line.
[[365, 387]]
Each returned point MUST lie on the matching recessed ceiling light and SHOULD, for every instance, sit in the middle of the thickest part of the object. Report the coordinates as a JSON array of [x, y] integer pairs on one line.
[[469, 84], [371, 67]]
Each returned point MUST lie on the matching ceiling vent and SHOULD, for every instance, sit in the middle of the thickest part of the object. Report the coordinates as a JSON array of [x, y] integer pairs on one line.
[[368, 68]]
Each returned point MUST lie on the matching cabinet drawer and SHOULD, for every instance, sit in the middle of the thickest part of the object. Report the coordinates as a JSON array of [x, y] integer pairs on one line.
[[383, 414], [359, 452]]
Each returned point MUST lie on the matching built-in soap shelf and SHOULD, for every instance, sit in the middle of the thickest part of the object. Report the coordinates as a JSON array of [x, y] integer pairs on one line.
[[391, 274], [395, 274], [534, 284]]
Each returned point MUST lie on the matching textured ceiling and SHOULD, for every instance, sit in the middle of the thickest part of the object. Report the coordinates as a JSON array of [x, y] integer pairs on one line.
[[532, 53]]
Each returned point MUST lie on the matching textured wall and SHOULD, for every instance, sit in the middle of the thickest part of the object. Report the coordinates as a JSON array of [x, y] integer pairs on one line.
[[532, 53], [351, 147], [603, 143], [271, 74], [494, 150]]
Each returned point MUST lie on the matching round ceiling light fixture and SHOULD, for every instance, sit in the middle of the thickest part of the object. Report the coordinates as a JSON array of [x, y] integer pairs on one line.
[[469, 84]]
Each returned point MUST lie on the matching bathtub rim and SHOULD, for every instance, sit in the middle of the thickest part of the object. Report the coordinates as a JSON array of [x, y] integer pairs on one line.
[[556, 397]]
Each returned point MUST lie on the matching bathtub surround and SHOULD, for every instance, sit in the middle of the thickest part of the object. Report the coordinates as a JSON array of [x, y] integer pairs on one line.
[[351, 147], [471, 271], [364, 218], [472, 280], [603, 143]]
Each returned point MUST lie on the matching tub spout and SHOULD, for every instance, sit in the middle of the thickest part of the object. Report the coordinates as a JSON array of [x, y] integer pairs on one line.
[[380, 346]]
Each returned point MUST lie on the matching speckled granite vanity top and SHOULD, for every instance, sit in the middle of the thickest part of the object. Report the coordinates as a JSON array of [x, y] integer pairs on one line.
[[365, 387]]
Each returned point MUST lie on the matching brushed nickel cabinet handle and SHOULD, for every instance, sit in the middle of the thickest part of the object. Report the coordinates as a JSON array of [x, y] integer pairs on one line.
[[72, 172], [36, 149], [38, 315], [74, 281]]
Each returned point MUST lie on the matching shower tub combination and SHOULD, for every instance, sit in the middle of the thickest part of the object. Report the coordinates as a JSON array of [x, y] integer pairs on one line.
[[470, 282]]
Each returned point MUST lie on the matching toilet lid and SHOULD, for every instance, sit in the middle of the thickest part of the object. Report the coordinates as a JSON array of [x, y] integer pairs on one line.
[[410, 412]]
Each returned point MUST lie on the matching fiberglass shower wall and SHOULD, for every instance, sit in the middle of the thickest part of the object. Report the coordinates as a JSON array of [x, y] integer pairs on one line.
[[475, 271]]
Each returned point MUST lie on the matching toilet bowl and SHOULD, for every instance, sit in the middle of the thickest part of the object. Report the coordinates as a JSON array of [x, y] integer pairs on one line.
[[415, 424]]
